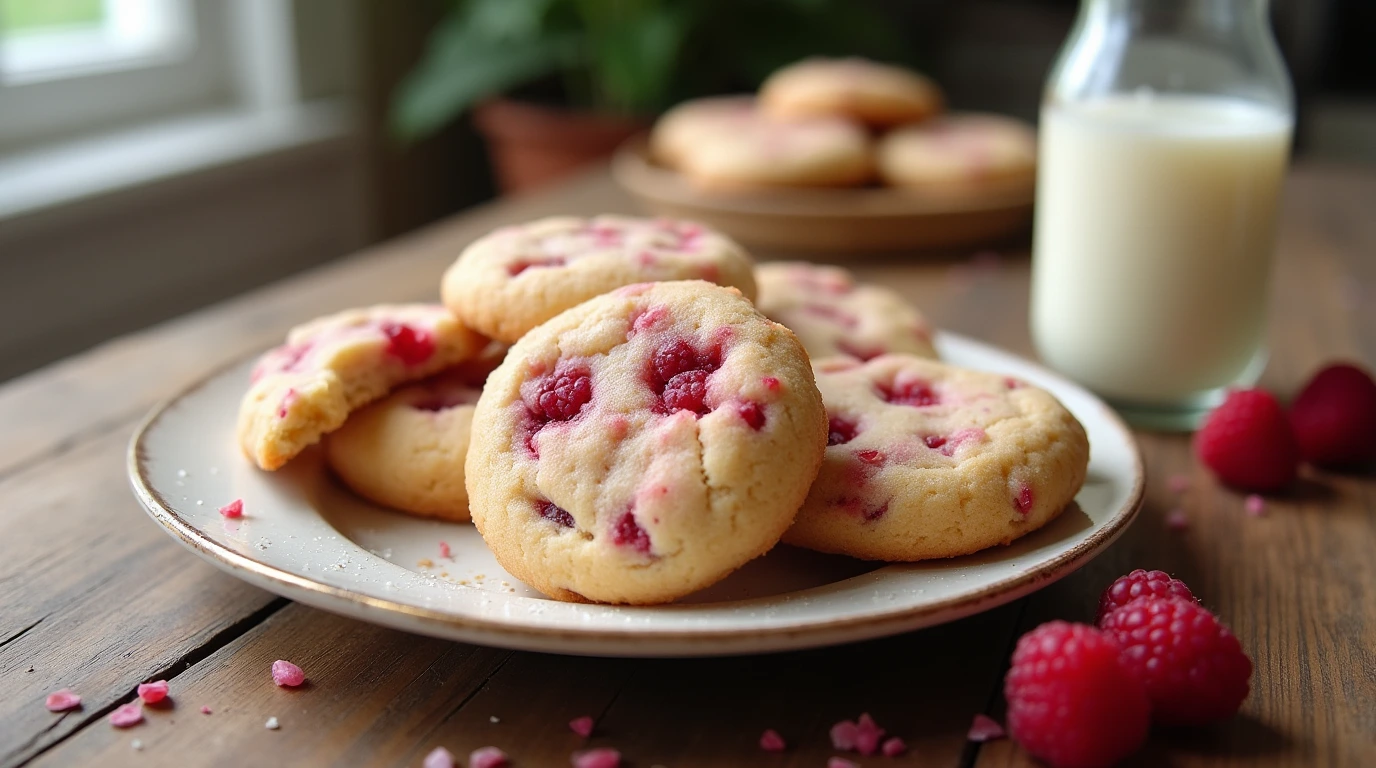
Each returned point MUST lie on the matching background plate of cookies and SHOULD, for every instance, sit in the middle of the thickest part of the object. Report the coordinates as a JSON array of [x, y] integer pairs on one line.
[[836, 156], [620, 436]]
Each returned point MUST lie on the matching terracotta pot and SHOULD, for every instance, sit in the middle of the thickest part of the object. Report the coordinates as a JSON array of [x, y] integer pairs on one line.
[[532, 144]]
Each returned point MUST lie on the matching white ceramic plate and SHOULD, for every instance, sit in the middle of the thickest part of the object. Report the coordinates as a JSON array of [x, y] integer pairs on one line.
[[305, 537]]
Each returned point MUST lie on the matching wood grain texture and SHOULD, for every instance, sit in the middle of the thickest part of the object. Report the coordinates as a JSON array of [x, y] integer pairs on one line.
[[96, 598]]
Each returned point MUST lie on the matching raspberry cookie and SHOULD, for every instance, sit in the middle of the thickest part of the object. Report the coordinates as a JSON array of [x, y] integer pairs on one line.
[[697, 121], [958, 152], [518, 277], [832, 315], [926, 460], [645, 444], [406, 451], [332, 365], [881, 95], [757, 151]]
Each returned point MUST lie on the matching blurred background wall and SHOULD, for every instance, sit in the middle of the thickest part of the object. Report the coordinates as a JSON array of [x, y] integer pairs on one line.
[[160, 155]]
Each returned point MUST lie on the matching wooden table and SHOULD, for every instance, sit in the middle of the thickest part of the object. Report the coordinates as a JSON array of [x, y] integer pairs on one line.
[[95, 597]]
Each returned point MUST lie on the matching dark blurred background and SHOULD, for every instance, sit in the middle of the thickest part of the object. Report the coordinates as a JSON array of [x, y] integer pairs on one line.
[[160, 155]]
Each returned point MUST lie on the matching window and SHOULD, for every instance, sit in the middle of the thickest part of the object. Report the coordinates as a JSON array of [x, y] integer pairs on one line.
[[74, 68], [46, 39]]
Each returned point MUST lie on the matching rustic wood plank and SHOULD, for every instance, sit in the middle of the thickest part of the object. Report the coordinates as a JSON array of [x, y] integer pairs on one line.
[[94, 597]]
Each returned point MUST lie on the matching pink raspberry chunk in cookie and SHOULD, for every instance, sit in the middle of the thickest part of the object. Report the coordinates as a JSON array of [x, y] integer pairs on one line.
[[608, 460], [333, 365], [949, 461]]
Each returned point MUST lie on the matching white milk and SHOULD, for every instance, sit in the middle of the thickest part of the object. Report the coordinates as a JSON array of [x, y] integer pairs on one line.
[[1154, 232]]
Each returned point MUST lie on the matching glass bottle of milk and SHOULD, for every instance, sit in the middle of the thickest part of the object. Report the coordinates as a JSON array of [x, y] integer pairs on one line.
[[1165, 131]]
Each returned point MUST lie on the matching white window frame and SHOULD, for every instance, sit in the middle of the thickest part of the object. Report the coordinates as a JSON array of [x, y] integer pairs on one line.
[[243, 57]]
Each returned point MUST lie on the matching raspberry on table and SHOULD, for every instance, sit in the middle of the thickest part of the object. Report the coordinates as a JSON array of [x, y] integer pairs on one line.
[[1070, 701], [1334, 417], [1249, 443], [287, 674], [1139, 584], [1193, 667]]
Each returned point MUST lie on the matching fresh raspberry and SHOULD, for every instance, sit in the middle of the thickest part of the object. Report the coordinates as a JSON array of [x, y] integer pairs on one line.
[[842, 431], [1139, 584], [984, 728], [917, 394], [1247, 441], [561, 395], [1070, 702], [409, 345], [1193, 667], [686, 391], [678, 356], [1334, 417]]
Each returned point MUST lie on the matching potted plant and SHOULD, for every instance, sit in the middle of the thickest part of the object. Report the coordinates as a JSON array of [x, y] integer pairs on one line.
[[555, 84]]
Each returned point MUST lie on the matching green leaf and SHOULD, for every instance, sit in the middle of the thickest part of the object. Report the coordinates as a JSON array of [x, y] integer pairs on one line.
[[507, 19], [462, 66], [635, 57]]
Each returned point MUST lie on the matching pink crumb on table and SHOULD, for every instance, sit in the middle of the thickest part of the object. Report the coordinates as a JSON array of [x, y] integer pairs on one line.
[[487, 757], [439, 757], [205, 710], [984, 728], [1178, 483], [63, 700], [867, 735], [844, 735], [581, 726], [153, 692], [1177, 520], [893, 747], [841, 762], [604, 757], [771, 741], [287, 674], [234, 509], [127, 715], [444, 550], [1255, 506]]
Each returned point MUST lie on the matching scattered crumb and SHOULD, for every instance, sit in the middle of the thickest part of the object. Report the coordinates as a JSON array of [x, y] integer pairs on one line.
[[444, 574], [234, 509], [272, 724], [445, 551], [287, 674], [582, 726], [893, 747], [487, 757], [1178, 483], [128, 715], [439, 757], [205, 710], [61, 701], [841, 762], [465, 582], [771, 741], [425, 562], [153, 692], [494, 719], [506, 583], [136, 744], [984, 728], [603, 757], [1177, 520], [30, 669], [1255, 506]]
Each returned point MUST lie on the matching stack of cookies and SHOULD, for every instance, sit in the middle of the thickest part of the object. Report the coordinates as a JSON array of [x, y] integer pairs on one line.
[[841, 123], [665, 412]]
